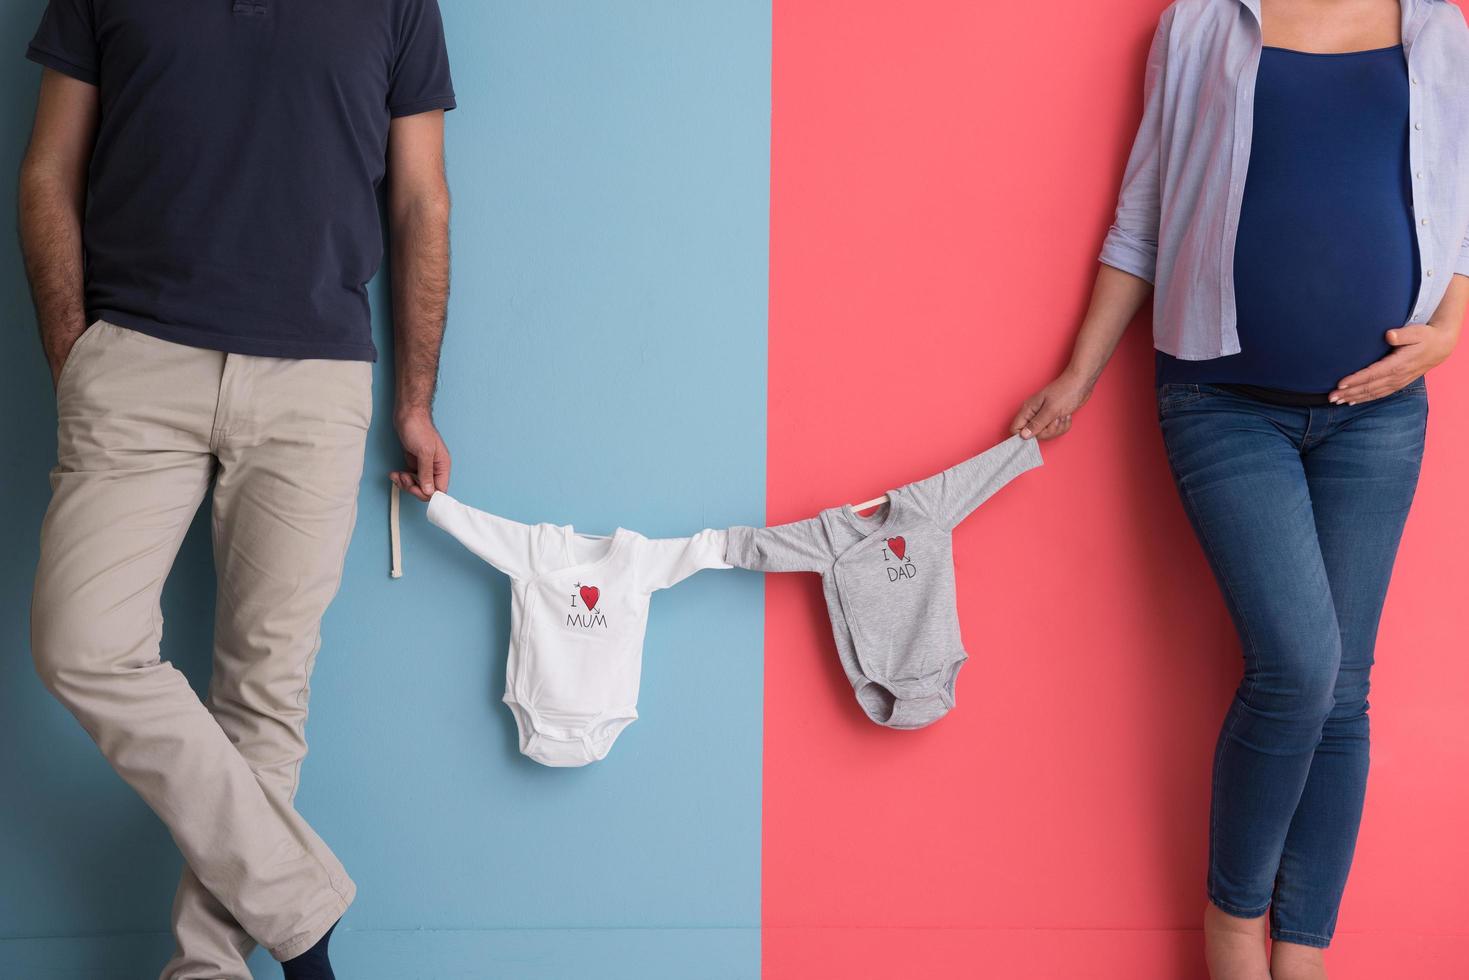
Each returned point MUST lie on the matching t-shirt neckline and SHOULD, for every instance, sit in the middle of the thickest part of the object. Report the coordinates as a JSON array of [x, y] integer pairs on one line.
[[614, 543]]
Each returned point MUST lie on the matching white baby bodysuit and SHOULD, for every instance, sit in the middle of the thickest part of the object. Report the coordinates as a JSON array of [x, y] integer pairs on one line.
[[578, 613]]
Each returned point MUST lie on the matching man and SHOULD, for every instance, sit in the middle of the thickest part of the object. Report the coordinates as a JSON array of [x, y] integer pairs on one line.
[[201, 188]]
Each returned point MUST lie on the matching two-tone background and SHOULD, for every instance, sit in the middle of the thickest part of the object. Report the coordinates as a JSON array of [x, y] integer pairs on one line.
[[720, 263]]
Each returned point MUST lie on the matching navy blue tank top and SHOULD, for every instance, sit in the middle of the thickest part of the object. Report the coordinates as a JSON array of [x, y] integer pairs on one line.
[[1326, 259]]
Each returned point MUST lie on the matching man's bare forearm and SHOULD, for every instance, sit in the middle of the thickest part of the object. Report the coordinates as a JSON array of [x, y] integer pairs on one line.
[[52, 194], [418, 221], [420, 236], [51, 241]]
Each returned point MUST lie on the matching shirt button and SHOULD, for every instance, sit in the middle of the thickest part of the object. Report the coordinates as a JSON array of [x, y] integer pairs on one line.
[[1418, 125], [1419, 175], [1429, 273], [1423, 222]]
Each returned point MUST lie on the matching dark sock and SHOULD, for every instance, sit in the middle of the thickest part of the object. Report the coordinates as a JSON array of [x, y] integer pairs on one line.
[[312, 964]]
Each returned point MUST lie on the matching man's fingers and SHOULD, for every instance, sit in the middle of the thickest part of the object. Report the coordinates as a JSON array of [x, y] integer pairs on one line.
[[441, 468], [426, 473], [408, 483]]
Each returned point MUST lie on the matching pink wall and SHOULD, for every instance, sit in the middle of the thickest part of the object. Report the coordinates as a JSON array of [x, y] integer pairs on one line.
[[943, 171]]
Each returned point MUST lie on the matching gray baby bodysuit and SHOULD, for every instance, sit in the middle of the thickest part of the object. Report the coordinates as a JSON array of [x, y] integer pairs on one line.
[[889, 581]]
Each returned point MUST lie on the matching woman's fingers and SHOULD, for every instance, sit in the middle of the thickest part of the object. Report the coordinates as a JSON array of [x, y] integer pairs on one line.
[[1374, 389], [1027, 412], [1047, 414], [1059, 427], [1382, 391], [1381, 377], [1043, 419], [1413, 333], [1370, 374]]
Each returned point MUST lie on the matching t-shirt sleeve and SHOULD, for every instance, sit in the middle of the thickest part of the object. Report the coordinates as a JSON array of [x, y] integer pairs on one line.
[[506, 544], [67, 40], [420, 79], [665, 562], [953, 495], [799, 547]]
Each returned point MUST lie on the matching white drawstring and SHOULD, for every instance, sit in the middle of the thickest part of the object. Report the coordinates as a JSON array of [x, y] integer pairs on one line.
[[395, 536]]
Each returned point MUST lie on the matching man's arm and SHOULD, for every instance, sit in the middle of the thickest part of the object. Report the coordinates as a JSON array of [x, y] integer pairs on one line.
[[418, 224], [53, 192]]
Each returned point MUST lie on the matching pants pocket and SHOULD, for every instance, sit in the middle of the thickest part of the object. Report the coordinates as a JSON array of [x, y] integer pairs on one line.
[[1172, 397], [78, 347]]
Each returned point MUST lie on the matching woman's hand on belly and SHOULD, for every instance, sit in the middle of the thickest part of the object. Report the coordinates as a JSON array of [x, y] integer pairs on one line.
[[1417, 349]]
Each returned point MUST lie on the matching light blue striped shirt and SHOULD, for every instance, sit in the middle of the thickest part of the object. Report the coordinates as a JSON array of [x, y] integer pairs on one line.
[[1178, 211]]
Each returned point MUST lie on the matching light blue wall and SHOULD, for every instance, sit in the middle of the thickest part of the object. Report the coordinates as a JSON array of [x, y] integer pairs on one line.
[[605, 365]]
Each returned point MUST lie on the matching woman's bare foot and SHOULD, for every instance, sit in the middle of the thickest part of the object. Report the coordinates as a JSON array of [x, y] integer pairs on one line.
[[1292, 961], [1235, 948]]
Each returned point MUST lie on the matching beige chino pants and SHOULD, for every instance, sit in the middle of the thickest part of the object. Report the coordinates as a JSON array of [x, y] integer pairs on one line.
[[144, 427]]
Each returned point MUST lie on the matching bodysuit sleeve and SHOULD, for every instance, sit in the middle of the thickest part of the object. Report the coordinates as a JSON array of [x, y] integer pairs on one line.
[[664, 562], [953, 495], [503, 543], [799, 547]]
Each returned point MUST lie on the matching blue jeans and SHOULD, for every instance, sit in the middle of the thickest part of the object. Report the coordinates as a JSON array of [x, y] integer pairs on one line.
[[1299, 511]]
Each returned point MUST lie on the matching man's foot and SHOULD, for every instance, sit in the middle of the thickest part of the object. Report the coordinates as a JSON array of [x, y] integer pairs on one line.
[[312, 964], [1292, 961], [1235, 948]]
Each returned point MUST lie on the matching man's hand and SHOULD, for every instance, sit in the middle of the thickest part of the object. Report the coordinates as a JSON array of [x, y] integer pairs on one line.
[[1417, 349], [1047, 413], [424, 454]]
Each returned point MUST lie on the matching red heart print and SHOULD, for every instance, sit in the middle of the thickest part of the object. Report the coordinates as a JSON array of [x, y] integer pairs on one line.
[[898, 547], [590, 594]]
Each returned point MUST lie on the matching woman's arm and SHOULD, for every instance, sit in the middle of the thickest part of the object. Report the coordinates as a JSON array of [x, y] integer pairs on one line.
[[1116, 299], [1417, 349], [1129, 261]]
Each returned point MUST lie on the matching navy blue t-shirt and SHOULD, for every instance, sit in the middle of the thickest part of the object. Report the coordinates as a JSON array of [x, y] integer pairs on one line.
[[1326, 259], [232, 193]]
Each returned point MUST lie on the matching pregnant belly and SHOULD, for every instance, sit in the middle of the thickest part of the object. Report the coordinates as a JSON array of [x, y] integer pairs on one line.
[[1315, 297]]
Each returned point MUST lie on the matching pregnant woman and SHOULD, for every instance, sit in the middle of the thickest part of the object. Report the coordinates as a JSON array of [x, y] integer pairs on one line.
[[1297, 202]]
